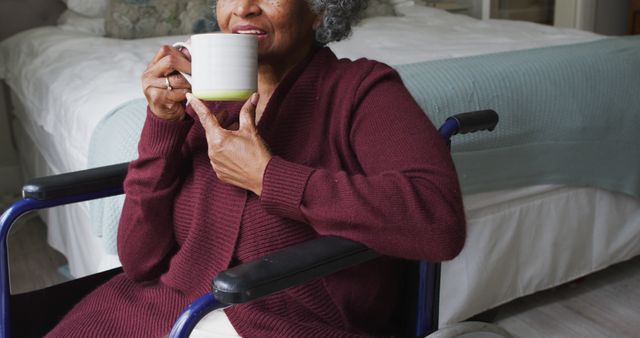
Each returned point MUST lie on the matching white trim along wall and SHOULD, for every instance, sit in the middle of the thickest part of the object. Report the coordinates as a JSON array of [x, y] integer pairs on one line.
[[578, 14]]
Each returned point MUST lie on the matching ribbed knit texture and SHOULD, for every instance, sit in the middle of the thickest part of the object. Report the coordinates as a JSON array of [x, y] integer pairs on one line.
[[285, 197], [354, 156]]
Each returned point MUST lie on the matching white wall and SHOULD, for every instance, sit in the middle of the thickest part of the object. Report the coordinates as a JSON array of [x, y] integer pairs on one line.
[[575, 14], [607, 17], [18, 15], [612, 17], [476, 8], [10, 178]]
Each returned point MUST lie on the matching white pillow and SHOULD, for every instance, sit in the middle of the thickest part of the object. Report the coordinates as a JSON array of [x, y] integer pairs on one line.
[[70, 20], [90, 8]]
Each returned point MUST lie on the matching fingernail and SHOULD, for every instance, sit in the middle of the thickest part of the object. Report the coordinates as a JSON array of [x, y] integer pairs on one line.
[[254, 99]]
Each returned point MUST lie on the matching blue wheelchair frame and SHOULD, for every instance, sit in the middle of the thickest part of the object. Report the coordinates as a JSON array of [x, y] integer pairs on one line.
[[275, 272]]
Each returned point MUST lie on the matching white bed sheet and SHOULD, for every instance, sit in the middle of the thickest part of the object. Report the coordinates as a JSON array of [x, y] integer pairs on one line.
[[67, 225], [67, 82]]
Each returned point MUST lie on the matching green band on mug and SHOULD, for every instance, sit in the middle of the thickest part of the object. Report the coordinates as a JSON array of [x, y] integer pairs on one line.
[[223, 95]]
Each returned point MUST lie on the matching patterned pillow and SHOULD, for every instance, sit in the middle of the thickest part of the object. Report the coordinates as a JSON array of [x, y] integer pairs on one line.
[[134, 19], [379, 8], [402, 2]]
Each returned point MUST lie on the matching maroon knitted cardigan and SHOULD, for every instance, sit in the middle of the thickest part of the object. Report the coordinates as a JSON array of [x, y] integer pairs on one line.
[[354, 156]]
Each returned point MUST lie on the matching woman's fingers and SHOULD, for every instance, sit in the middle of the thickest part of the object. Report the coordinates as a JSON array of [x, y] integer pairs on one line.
[[164, 96], [169, 64], [167, 104], [237, 157], [162, 52], [176, 81], [248, 113], [164, 88], [209, 121], [186, 52]]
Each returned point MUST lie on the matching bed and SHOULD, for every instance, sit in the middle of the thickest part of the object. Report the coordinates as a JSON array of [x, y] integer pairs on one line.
[[548, 196]]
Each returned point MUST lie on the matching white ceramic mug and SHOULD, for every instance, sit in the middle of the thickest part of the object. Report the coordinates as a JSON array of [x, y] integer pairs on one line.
[[224, 67]]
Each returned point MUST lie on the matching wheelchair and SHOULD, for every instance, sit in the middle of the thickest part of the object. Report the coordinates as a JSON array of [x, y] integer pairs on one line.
[[34, 313]]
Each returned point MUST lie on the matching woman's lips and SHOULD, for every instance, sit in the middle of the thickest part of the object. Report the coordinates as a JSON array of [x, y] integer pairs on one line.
[[251, 30]]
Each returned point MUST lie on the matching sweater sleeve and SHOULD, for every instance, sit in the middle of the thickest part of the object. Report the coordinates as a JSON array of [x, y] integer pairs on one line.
[[145, 232], [405, 202]]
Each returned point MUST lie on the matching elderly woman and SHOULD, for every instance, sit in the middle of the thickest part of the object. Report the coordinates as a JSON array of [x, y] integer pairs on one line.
[[326, 147]]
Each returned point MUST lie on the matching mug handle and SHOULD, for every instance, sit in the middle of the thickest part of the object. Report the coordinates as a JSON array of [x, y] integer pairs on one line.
[[187, 46]]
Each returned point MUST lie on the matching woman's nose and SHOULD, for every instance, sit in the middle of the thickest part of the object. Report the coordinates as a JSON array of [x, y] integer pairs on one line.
[[247, 8]]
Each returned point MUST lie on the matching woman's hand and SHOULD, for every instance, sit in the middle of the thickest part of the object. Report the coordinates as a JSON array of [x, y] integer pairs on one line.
[[163, 86], [238, 157]]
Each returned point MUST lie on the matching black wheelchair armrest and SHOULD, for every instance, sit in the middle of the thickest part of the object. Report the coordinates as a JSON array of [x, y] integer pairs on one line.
[[289, 267], [77, 182], [471, 122]]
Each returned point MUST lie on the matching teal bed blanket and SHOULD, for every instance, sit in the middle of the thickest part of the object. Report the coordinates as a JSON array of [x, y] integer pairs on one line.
[[114, 140], [568, 115]]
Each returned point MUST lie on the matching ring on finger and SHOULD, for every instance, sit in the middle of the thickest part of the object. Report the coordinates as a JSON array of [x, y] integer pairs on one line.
[[166, 81]]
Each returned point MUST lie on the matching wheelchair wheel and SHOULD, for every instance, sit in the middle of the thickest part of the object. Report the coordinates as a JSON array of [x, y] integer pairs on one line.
[[471, 330]]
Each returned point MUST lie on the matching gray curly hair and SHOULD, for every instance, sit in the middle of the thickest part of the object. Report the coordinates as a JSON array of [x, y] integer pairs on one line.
[[337, 17]]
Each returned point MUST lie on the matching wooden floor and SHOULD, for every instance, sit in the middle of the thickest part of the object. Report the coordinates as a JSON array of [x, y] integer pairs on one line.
[[605, 304], [33, 264]]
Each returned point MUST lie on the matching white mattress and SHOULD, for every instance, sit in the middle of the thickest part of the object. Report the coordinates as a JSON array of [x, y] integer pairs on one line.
[[67, 81], [426, 33]]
